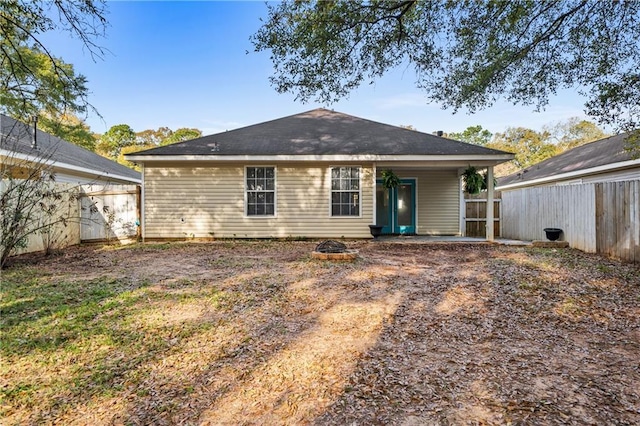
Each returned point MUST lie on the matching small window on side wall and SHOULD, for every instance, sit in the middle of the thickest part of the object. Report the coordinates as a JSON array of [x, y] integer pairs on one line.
[[345, 191], [260, 191]]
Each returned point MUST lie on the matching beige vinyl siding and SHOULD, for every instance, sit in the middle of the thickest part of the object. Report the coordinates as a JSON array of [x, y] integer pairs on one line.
[[204, 201], [438, 200]]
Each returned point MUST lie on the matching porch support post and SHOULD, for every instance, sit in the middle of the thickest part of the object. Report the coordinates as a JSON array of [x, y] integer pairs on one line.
[[142, 206], [490, 214], [375, 207]]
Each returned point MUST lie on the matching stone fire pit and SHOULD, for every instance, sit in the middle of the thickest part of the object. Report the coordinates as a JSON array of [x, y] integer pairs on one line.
[[333, 250]]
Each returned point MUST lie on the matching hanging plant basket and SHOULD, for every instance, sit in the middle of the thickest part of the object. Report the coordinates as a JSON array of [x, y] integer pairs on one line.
[[389, 179], [473, 180]]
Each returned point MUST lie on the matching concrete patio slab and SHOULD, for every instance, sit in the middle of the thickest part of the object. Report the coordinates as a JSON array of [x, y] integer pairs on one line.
[[447, 239]]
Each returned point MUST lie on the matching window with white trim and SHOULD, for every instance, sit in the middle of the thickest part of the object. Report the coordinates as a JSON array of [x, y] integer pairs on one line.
[[345, 191], [260, 189]]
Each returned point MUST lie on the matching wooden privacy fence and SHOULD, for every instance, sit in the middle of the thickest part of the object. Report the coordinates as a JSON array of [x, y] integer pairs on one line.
[[98, 212], [475, 215], [618, 219], [600, 217], [62, 233], [109, 213]]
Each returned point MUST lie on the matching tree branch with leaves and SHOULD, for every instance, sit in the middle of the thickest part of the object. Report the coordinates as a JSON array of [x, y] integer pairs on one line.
[[464, 54], [33, 80]]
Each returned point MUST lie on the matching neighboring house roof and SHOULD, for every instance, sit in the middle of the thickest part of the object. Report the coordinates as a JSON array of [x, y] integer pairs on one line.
[[319, 132], [17, 140], [601, 156]]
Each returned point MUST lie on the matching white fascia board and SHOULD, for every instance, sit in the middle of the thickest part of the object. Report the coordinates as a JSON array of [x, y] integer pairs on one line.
[[25, 157], [331, 158], [460, 163], [571, 175], [65, 166]]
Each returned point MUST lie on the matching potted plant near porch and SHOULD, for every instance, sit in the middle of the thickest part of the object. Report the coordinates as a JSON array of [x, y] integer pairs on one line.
[[389, 180], [552, 233], [376, 230]]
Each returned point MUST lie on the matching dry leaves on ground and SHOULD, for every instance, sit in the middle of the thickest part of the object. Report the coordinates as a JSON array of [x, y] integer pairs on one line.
[[259, 333]]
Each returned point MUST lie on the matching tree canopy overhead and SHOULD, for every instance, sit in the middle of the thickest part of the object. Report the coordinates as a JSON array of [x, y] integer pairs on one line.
[[114, 139], [465, 54], [32, 79], [68, 127], [473, 134], [531, 146]]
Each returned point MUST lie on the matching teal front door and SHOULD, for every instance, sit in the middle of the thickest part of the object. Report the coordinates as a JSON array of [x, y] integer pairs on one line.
[[396, 207]]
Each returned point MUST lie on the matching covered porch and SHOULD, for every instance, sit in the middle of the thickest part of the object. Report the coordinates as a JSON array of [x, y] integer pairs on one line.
[[428, 199]]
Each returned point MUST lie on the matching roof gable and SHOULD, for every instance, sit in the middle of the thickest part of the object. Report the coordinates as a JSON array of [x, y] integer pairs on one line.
[[320, 132], [603, 152], [17, 138]]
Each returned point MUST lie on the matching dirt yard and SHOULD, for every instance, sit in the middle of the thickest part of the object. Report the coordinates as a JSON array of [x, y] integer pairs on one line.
[[260, 333]]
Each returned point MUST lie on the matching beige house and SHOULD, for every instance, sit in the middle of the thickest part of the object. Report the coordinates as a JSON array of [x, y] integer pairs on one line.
[[316, 174]]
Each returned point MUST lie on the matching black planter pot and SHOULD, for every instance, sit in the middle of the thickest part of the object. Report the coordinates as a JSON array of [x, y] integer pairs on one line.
[[552, 233], [376, 230]]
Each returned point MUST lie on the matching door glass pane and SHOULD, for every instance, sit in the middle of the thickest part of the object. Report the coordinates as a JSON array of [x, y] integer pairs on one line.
[[382, 206], [404, 206]]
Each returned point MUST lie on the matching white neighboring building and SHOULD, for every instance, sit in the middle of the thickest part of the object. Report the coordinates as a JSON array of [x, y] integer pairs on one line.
[[69, 162], [605, 160], [72, 166]]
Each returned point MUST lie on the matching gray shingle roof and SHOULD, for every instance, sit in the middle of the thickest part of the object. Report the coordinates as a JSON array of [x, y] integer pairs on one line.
[[320, 132], [17, 137], [599, 153]]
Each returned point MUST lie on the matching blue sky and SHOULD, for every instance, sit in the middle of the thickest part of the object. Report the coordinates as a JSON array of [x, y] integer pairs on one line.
[[185, 64]]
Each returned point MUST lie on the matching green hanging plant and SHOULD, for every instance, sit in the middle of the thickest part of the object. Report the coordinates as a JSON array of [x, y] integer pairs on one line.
[[473, 180], [389, 179], [485, 180]]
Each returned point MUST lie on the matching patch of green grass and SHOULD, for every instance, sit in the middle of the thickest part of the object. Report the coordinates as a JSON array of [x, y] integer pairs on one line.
[[531, 285], [14, 392], [48, 321], [95, 330], [605, 269], [92, 331], [297, 238]]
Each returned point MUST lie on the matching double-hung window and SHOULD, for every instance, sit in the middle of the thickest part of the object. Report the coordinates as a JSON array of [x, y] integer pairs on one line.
[[345, 191], [260, 189]]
